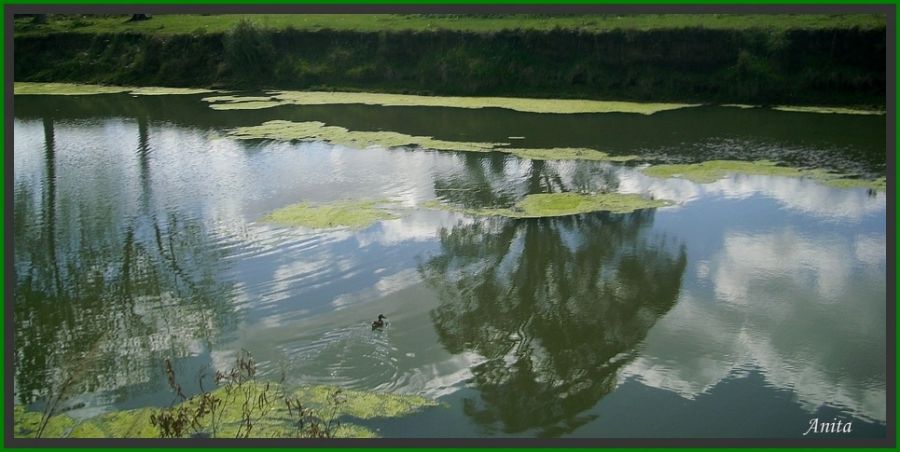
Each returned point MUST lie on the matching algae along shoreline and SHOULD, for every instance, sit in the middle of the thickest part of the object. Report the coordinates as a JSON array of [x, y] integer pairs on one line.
[[838, 65], [74, 89], [274, 411]]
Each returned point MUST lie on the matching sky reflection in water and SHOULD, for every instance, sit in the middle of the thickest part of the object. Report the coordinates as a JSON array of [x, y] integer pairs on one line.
[[139, 239]]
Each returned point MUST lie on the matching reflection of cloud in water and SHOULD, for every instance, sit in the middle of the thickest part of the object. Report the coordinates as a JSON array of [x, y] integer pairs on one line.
[[406, 180], [749, 260], [384, 287], [223, 359], [435, 380], [804, 310], [870, 249], [398, 281], [416, 226], [805, 195]]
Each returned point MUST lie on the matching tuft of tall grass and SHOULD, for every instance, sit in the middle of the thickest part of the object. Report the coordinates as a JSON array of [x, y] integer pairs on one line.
[[249, 54]]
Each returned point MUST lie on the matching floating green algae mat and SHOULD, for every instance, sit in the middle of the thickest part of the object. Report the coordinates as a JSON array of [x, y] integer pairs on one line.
[[566, 154], [810, 109], [879, 184], [828, 110], [713, 170], [317, 131], [161, 91], [314, 130], [64, 89], [252, 105], [361, 404], [352, 214], [530, 105], [73, 89], [741, 106], [543, 205], [271, 417]]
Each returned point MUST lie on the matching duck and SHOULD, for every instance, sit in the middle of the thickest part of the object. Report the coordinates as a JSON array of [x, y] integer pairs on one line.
[[378, 323]]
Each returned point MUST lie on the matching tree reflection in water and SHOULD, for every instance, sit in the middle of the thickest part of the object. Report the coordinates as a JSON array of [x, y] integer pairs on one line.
[[105, 289], [556, 306]]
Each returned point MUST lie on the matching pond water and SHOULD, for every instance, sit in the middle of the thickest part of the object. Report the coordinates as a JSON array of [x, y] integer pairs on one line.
[[748, 307]]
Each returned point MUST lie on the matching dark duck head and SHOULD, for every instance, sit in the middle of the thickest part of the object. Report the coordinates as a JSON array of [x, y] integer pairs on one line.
[[378, 323]]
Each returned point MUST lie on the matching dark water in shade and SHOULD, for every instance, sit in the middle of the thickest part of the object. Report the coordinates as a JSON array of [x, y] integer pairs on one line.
[[751, 306]]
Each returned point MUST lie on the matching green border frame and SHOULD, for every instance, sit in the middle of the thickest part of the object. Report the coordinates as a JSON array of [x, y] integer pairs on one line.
[[5, 95]]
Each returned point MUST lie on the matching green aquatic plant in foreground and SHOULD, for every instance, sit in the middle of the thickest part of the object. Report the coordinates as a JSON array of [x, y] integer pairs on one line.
[[28, 423], [562, 106], [543, 205], [352, 214], [73, 89], [271, 416], [118, 424], [713, 170]]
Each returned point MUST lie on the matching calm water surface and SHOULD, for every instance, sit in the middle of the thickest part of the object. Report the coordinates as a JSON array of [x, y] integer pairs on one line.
[[750, 306]]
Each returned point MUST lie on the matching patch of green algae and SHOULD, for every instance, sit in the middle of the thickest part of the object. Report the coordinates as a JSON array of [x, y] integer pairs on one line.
[[64, 89], [73, 89], [713, 170], [361, 404], [270, 420], [878, 184], [160, 91], [241, 102], [567, 154], [543, 205], [828, 110], [530, 105], [352, 214], [314, 130], [810, 109]]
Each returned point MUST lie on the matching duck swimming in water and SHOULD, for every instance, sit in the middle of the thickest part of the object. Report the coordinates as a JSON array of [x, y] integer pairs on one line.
[[378, 323]]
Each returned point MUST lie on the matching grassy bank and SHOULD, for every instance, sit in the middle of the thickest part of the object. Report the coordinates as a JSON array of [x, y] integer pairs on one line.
[[786, 59], [168, 24]]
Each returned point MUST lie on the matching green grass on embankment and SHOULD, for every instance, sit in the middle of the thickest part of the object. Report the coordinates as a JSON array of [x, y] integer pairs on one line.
[[835, 60]]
